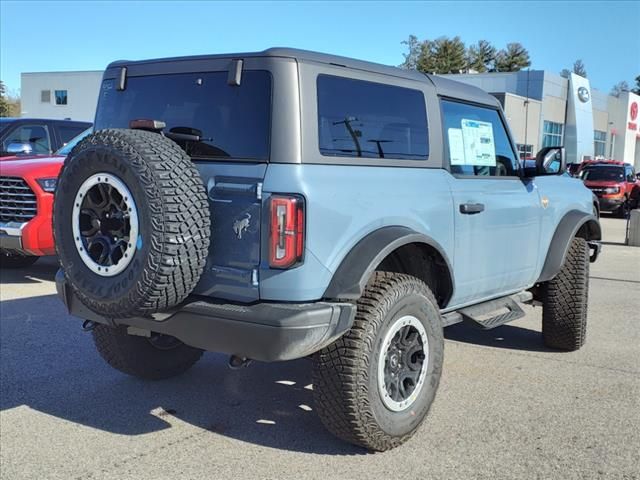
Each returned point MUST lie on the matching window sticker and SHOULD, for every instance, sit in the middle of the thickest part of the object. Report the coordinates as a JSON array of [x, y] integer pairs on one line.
[[479, 147], [456, 146]]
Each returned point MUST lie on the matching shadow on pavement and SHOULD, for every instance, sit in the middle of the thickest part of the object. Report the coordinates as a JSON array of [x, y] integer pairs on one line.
[[43, 270], [507, 336], [48, 364]]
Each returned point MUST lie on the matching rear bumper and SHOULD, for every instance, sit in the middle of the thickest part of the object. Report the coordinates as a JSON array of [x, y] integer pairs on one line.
[[263, 331]]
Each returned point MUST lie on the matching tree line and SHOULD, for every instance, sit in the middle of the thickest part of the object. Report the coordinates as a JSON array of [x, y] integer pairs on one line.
[[450, 55], [9, 104]]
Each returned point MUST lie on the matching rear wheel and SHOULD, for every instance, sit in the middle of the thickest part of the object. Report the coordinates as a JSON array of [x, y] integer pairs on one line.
[[152, 358], [564, 314], [12, 260], [374, 386]]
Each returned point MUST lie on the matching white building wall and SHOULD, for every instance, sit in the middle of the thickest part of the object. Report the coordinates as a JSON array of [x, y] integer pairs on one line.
[[82, 94]]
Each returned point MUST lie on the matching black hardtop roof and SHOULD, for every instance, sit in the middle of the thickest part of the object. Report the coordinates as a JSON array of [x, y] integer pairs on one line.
[[444, 86]]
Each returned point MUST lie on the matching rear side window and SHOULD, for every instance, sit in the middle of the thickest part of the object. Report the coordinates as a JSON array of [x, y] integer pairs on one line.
[[370, 120], [67, 132], [477, 142], [231, 121]]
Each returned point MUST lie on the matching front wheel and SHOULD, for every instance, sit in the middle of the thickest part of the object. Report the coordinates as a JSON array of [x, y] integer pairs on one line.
[[374, 386], [152, 358], [564, 298]]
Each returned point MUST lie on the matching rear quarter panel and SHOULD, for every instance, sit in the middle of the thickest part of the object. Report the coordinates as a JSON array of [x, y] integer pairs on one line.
[[344, 204]]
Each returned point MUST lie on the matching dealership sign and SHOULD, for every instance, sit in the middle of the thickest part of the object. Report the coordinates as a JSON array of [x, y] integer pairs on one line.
[[633, 115]]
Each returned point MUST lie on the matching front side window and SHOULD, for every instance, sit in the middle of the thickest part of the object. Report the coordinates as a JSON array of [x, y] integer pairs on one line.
[[61, 97], [477, 142], [371, 120], [35, 136], [552, 134], [228, 121]]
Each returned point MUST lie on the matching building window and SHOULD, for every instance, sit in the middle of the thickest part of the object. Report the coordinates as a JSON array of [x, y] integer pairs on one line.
[[525, 151], [61, 97], [552, 134], [599, 143], [45, 96]]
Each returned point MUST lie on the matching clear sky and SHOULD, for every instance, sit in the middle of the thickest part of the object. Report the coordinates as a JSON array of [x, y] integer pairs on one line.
[[74, 35]]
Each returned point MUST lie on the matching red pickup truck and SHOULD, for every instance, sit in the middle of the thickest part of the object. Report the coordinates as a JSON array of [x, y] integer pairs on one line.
[[614, 183], [27, 185]]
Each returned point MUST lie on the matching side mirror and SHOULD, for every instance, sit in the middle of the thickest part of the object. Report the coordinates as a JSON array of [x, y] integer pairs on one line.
[[551, 161], [17, 148]]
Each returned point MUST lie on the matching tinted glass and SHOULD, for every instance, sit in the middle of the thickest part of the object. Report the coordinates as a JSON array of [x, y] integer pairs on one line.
[[68, 132], [231, 121], [615, 174], [370, 120], [72, 143], [477, 141], [35, 136]]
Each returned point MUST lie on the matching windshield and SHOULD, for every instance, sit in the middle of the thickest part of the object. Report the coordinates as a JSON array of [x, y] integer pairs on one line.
[[64, 151], [222, 121], [614, 174]]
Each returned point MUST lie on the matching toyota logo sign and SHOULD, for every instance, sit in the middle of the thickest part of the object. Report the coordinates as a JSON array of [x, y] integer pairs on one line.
[[633, 111], [583, 94]]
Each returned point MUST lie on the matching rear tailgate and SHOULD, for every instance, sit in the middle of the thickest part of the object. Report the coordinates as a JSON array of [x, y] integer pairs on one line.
[[235, 200]]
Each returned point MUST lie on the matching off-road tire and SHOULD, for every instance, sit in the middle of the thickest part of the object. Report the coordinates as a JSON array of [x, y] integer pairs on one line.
[[11, 260], [346, 393], [173, 216], [137, 356], [565, 298], [623, 210]]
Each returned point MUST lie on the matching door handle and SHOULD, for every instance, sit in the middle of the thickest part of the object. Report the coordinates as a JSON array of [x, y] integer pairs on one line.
[[471, 208]]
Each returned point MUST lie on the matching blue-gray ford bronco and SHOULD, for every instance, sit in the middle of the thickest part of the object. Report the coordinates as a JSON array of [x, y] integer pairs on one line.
[[285, 204]]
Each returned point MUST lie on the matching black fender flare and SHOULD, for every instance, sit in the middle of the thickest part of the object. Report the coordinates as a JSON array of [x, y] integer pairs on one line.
[[351, 277], [566, 230]]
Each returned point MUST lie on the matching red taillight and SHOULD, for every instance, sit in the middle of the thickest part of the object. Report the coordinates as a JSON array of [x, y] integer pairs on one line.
[[286, 239]]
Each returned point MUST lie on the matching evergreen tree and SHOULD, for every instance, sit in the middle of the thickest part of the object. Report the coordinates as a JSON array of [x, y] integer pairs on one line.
[[414, 47], [513, 59], [636, 90], [481, 57], [4, 104], [619, 88]]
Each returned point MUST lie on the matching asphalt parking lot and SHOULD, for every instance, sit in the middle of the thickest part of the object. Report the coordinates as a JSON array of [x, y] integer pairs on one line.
[[507, 407]]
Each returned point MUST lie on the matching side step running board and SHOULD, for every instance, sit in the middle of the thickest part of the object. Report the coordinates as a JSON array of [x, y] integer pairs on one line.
[[507, 309]]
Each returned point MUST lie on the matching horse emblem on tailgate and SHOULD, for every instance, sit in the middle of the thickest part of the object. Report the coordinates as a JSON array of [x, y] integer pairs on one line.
[[242, 225]]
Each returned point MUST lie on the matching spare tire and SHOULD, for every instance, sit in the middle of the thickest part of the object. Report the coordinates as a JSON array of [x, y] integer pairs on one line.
[[131, 222]]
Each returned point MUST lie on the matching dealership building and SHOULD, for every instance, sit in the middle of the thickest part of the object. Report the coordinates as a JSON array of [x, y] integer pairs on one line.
[[60, 95], [542, 109], [546, 109]]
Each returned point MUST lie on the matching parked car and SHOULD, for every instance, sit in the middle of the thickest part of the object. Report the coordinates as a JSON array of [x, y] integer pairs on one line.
[[286, 203], [614, 183], [27, 186], [36, 136]]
